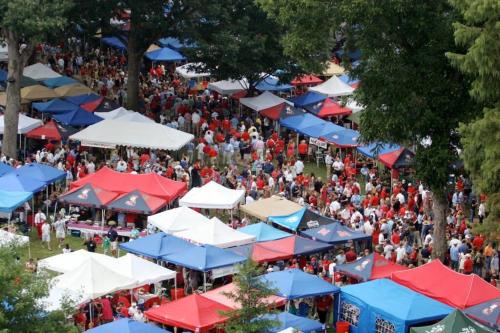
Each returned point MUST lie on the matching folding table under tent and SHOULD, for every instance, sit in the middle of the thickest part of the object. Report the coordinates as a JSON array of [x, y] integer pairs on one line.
[[455, 322], [177, 219], [137, 202], [336, 233], [286, 319], [441, 283], [56, 105], [194, 312], [383, 306], [487, 313], [40, 72], [126, 325], [263, 232], [212, 196], [371, 267], [156, 246], [24, 125], [294, 283], [113, 132], [334, 87], [60, 81], [228, 87]]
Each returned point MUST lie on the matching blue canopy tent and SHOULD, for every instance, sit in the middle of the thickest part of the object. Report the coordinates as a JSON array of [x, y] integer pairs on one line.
[[156, 245], [9, 201], [308, 98], [335, 233], [378, 148], [487, 313], [286, 320], [370, 306], [312, 219], [5, 168], [17, 183], [344, 139], [59, 81], [347, 79], [164, 54], [174, 43], [291, 222], [321, 130], [77, 117], [299, 122], [272, 84], [114, 42], [41, 172], [204, 258], [263, 232], [294, 283], [127, 325], [55, 105], [289, 111], [82, 99]]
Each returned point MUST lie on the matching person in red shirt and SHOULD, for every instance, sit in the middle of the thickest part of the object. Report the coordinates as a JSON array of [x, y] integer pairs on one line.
[[375, 201], [468, 264], [302, 148], [144, 158], [323, 306], [395, 238], [350, 255], [478, 242]]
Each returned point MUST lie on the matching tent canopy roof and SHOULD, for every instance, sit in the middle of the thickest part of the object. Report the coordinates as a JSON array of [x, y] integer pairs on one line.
[[83, 98], [9, 201], [271, 83], [334, 87], [156, 245], [306, 80], [191, 70], [371, 267], [212, 196], [228, 87], [286, 319], [40, 72], [67, 262], [137, 202], [13, 182], [487, 313], [55, 105], [164, 54], [454, 322], [59, 81], [335, 233], [263, 232], [75, 89], [264, 101], [5, 168], [144, 271], [273, 206], [328, 108], [37, 92], [77, 117], [127, 325], [113, 132], [41, 172], [309, 98], [177, 219], [88, 196], [51, 131]]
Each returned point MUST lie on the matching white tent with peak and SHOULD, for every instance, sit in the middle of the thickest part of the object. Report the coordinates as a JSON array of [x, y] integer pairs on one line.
[[40, 72], [24, 125], [334, 87], [142, 270], [125, 115], [216, 233], [177, 219], [67, 262], [264, 101], [228, 87], [212, 196]]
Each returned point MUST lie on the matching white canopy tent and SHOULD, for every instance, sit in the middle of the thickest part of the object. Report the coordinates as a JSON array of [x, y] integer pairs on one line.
[[334, 87], [9, 238], [116, 132], [24, 125], [228, 87], [216, 233], [57, 296], [264, 101], [177, 219], [212, 196], [67, 262], [143, 271], [124, 115], [40, 72], [188, 71]]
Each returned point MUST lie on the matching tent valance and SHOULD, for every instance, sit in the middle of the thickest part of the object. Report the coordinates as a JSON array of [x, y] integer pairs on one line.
[[212, 196]]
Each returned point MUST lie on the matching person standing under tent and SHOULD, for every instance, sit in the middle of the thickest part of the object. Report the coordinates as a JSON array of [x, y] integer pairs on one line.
[[39, 220], [46, 234], [60, 228], [113, 238]]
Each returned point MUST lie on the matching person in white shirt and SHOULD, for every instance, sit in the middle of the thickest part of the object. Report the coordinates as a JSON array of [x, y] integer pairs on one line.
[[195, 119], [90, 167], [299, 167], [46, 234], [39, 220], [60, 227], [400, 253], [338, 166], [368, 228], [334, 206], [401, 198]]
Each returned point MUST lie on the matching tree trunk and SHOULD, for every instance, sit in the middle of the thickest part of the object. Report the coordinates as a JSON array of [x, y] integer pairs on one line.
[[13, 95], [439, 206], [134, 63]]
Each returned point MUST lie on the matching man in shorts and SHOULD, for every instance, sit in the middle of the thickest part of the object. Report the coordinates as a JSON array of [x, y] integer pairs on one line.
[[113, 239], [60, 227], [46, 234]]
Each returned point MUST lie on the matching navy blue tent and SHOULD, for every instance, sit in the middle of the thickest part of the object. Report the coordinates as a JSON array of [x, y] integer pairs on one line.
[[82, 99], [55, 105], [157, 245], [77, 117], [308, 98], [335, 233], [59, 81], [487, 313], [294, 283], [15, 183], [204, 258], [127, 325], [312, 219], [41, 172], [3, 75], [378, 148], [321, 130], [88, 196], [137, 202], [114, 42], [286, 320], [5, 168], [290, 111], [272, 84], [164, 54]]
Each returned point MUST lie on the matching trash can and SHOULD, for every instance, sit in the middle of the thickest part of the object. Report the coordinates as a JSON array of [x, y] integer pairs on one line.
[[342, 327]]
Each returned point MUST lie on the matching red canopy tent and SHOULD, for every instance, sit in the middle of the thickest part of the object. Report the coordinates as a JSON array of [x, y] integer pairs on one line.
[[195, 313], [371, 267], [273, 113], [91, 106], [219, 295], [149, 183], [397, 158], [329, 108], [383, 268], [306, 80], [447, 286], [50, 131]]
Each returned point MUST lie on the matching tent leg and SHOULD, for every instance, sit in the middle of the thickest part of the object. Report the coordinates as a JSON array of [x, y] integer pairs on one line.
[[205, 282], [175, 285], [25, 147], [47, 198]]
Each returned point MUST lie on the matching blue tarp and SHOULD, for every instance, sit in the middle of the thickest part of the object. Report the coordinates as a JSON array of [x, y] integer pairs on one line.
[[204, 258], [374, 149], [272, 84], [299, 122], [308, 98], [41, 172], [15, 183], [291, 221], [487, 313], [156, 245], [294, 283], [127, 325], [82, 99], [386, 300], [335, 233], [55, 105], [59, 81], [114, 42], [345, 138], [286, 320], [263, 232], [9, 201], [5, 168], [164, 54], [77, 117]]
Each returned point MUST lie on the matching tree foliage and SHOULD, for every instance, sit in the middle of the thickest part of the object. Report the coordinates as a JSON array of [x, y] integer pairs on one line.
[[250, 294], [21, 292], [478, 29]]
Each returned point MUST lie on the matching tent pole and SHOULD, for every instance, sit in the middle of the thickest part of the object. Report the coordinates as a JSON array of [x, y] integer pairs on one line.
[[25, 147], [175, 284], [47, 198], [205, 282]]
